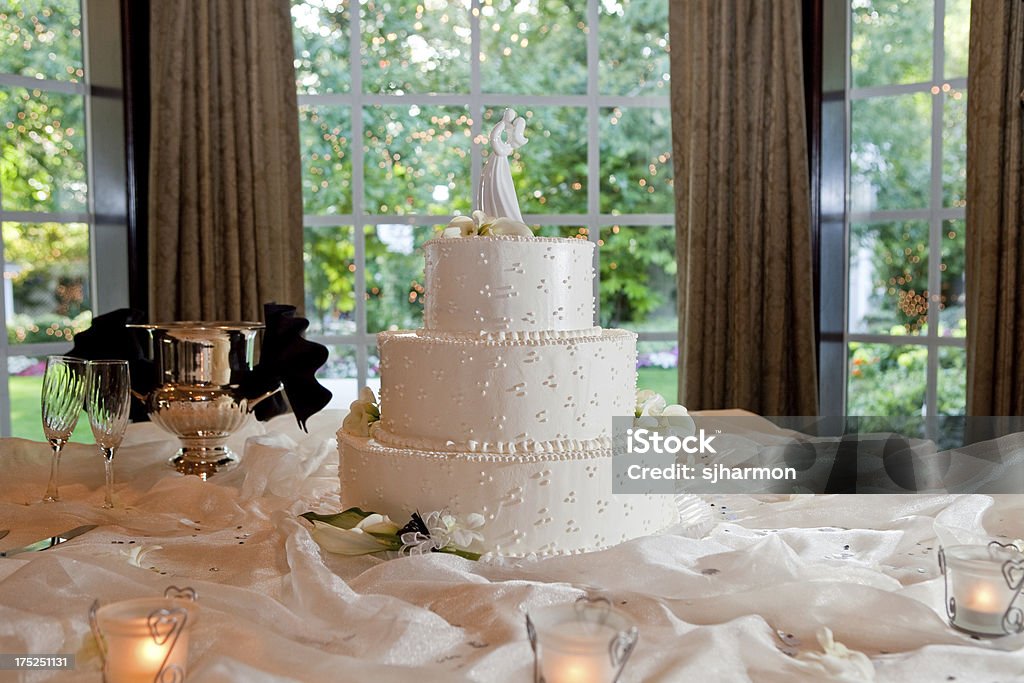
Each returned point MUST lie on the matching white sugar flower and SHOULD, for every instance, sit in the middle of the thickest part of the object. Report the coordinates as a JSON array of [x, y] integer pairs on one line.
[[464, 533], [649, 403], [838, 661], [508, 226], [362, 412], [482, 224]]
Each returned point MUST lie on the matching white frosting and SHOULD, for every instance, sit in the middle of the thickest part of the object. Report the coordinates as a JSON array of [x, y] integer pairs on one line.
[[503, 404], [543, 503], [454, 393], [508, 284]]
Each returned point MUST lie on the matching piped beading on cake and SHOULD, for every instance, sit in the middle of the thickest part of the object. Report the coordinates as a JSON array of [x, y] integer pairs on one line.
[[508, 285], [452, 393]]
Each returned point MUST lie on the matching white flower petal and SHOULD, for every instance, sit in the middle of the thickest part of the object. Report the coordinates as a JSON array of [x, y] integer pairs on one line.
[[378, 524], [345, 541], [508, 226]]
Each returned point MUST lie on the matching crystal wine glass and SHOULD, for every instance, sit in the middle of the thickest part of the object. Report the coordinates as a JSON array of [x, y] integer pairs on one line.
[[61, 402], [108, 400]]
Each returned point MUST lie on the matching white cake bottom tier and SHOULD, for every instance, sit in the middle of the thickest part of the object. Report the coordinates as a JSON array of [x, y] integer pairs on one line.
[[543, 504], [457, 393]]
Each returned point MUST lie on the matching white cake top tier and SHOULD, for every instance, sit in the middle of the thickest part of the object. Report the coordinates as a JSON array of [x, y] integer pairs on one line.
[[487, 285]]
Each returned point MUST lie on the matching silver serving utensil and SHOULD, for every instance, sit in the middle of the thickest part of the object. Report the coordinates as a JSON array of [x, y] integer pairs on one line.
[[4, 532], [49, 542]]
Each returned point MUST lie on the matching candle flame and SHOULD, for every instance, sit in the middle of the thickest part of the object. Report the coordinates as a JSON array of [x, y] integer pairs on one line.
[[983, 598]]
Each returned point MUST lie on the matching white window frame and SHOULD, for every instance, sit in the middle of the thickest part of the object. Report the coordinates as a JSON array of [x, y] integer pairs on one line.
[[934, 214], [593, 219], [106, 209]]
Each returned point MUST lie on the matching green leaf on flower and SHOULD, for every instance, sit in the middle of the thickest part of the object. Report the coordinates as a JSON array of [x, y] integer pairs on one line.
[[346, 519]]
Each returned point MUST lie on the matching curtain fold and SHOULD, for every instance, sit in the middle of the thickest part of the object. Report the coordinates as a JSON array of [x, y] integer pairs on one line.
[[225, 208], [743, 239], [995, 217]]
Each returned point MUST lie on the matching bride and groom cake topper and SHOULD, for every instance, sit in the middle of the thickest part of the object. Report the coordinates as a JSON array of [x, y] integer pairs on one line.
[[497, 193]]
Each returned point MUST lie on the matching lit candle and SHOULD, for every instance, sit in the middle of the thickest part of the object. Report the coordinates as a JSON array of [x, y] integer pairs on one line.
[[133, 653], [981, 610], [578, 653], [978, 595], [585, 642]]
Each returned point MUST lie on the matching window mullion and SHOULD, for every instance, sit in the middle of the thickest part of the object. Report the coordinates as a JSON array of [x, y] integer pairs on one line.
[[593, 146], [358, 210], [935, 221]]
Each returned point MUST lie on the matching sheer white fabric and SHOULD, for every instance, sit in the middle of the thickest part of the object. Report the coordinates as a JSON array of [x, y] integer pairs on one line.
[[744, 601]]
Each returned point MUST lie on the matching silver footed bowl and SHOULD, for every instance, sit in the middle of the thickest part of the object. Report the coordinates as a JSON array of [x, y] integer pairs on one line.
[[199, 368]]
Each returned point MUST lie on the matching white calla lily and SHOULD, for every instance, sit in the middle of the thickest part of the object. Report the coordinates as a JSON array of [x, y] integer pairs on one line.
[[362, 413], [377, 523], [347, 541]]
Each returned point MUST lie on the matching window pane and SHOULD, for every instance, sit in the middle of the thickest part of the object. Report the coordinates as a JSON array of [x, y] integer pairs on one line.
[[550, 171], [636, 161], [417, 160], [46, 281], [634, 47], [394, 276], [891, 42], [339, 374], [414, 47], [43, 140], [566, 231], [957, 31], [890, 152], [25, 383], [41, 39], [952, 387], [889, 278], [325, 136], [886, 380], [330, 270], [953, 319], [520, 42], [638, 278], [954, 149], [657, 368], [321, 34]]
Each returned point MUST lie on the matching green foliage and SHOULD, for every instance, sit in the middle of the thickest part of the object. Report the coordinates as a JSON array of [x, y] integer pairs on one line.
[[638, 268], [891, 380]]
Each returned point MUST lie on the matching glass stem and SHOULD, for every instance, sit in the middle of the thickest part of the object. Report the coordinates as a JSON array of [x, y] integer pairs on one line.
[[52, 494], [108, 471]]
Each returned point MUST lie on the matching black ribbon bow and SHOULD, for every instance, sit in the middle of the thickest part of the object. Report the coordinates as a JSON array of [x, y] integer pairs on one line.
[[286, 358], [108, 339]]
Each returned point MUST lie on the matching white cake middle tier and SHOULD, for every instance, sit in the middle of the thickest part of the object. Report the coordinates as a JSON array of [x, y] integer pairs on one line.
[[455, 393]]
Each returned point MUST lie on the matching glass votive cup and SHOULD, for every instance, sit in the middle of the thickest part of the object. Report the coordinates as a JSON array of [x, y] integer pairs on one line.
[[583, 642], [981, 586], [144, 640]]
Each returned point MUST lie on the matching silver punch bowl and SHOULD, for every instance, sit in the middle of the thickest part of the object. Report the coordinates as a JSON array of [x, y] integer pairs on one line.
[[197, 397]]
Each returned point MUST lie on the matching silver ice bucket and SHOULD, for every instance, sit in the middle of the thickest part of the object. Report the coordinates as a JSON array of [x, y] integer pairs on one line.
[[199, 368]]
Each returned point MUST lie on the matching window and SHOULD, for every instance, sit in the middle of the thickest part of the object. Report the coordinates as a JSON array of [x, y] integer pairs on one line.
[[48, 207], [395, 100], [905, 113]]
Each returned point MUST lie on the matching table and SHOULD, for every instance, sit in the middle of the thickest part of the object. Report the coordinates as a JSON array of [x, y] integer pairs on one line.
[[274, 608]]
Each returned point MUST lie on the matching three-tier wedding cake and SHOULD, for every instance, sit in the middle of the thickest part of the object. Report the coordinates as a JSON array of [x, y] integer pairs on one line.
[[502, 404]]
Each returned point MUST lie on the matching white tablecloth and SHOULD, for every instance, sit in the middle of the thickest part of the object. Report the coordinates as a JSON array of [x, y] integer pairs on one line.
[[275, 608]]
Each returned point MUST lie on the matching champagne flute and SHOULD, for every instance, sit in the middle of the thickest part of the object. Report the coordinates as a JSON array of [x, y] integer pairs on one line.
[[61, 403], [108, 399]]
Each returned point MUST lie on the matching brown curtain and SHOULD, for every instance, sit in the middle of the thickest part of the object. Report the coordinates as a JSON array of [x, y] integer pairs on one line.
[[746, 316], [225, 210], [995, 217]]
